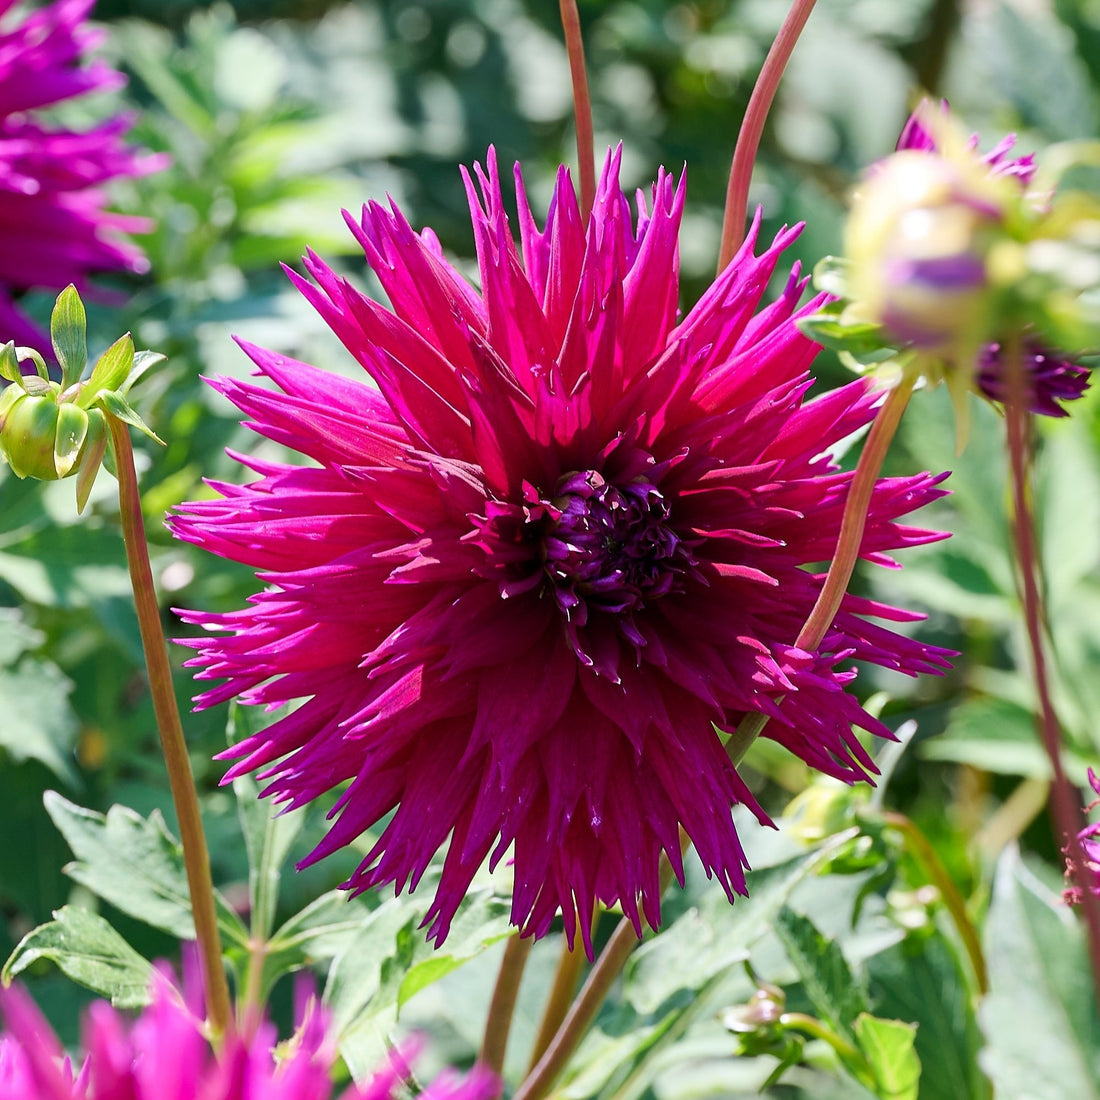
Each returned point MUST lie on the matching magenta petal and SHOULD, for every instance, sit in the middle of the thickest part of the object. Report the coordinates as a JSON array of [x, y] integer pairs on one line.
[[519, 586]]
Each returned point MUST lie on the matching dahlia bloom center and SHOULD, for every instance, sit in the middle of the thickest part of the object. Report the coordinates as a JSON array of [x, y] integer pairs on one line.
[[607, 546]]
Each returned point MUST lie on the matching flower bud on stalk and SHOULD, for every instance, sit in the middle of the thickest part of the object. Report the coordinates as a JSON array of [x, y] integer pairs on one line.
[[50, 430], [952, 255], [919, 240]]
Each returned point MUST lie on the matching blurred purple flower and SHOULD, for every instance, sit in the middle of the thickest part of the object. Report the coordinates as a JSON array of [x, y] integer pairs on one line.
[[566, 536], [164, 1055], [1050, 377], [54, 228], [1087, 877]]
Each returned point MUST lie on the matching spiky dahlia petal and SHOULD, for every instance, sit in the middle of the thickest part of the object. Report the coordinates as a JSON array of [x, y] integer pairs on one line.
[[564, 538], [164, 1055]]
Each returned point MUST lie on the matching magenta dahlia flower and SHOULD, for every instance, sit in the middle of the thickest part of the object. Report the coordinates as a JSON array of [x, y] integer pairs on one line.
[[164, 1055], [1050, 376], [565, 535], [54, 228]]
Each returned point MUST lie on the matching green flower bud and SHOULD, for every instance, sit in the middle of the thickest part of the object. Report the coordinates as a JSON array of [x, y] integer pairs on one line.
[[43, 437], [921, 232]]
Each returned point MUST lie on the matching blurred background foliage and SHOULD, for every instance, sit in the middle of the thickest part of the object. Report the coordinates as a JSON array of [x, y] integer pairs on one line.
[[276, 114]]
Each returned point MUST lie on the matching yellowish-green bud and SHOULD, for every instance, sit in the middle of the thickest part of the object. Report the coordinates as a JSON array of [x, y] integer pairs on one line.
[[919, 239]]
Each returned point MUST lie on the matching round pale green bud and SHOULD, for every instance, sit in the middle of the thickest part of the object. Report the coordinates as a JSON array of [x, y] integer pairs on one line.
[[918, 239], [45, 438]]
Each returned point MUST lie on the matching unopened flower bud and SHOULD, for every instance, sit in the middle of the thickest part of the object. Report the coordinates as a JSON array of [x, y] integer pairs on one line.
[[45, 438], [919, 239]]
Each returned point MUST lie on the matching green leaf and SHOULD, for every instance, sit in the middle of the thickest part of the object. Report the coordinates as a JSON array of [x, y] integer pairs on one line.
[[1040, 1016], [829, 982], [9, 363], [93, 458], [68, 327], [111, 370], [120, 409], [72, 430], [268, 834], [135, 864], [90, 952], [38, 720], [389, 960], [888, 1046], [143, 361], [921, 980]]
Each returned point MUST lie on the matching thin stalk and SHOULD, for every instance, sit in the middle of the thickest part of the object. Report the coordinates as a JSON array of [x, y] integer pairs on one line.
[[582, 105], [949, 892], [1065, 806], [593, 993], [195, 857], [557, 1004], [752, 126], [503, 1005], [852, 525]]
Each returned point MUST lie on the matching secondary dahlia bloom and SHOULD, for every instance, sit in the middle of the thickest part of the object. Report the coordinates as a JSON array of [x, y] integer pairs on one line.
[[520, 581], [164, 1055], [1089, 839], [1051, 376], [54, 228]]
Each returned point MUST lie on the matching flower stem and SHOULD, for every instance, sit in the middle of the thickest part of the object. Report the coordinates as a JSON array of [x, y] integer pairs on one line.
[[593, 993], [195, 857], [1065, 806], [503, 1005], [949, 892], [752, 126], [557, 1004], [844, 561], [582, 105]]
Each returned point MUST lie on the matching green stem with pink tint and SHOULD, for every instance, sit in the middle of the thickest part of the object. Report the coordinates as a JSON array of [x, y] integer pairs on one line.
[[184, 796], [927, 856], [582, 105], [568, 971], [1065, 806], [502, 1006], [852, 525], [752, 127]]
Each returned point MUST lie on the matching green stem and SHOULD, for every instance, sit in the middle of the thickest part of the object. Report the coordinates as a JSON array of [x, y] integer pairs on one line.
[[582, 105], [949, 892], [502, 1007], [593, 993], [752, 126], [1065, 806], [184, 796], [852, 525], [811, 1025], [557, 1004]]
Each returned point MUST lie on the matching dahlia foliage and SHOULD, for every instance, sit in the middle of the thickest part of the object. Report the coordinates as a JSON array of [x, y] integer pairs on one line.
[[565, 534], [54, 228], [164, 1055]]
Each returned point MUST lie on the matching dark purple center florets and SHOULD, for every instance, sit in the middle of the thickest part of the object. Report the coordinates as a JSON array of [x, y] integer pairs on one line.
[[607, 547]]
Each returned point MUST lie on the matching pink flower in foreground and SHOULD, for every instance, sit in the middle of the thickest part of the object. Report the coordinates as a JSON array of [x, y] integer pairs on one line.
[[1087, 877], [521, 581], [54, 229], [163, 1055]]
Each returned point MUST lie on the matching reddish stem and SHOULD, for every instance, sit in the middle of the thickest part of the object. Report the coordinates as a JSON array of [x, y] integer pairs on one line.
[[852, 524], [502, 1007], [1065, 805], [195, 856], [752, 126], [582, 105]]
